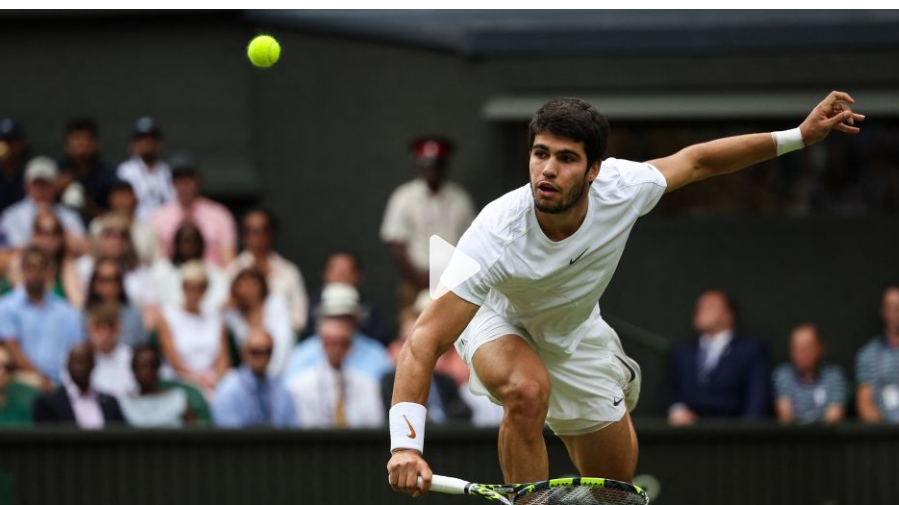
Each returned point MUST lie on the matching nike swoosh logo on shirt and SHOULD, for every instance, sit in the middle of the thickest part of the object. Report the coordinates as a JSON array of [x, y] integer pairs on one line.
[[571, 262], [411, 429], [616, 401]]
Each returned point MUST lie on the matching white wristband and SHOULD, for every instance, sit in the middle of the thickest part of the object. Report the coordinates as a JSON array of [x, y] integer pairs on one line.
[[788, 140], [407, 426]]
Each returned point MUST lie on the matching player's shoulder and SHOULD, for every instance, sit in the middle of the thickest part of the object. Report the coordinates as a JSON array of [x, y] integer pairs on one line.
[[618, 172], [506, 217]]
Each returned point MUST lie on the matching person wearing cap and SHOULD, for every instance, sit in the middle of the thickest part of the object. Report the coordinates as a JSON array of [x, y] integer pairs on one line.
[[149, 176], [214, 220], [12, 162], [85, 179], [340, 301], [40, 193], [428, 205], [332, 394]]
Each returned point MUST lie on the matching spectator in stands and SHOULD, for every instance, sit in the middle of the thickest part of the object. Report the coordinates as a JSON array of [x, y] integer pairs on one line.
[[425, 206], [346, 267], [113, 240], [85, 179], [107, 286], [877, 366], [123, 202], [64, 281], [721, 374], [253, 307], [166, 272], [17, 221], [213, 219], [194, 342], [807, 391], [258, 230], [76, 401], [12, 162], [331, 395], [160, 403], [38, 327], [444, 402], [150, 177], [247, 396], [112, 371], [341, 301], [16, 397]]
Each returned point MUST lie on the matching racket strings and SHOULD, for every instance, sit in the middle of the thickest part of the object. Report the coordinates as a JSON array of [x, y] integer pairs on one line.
[[581, 495]]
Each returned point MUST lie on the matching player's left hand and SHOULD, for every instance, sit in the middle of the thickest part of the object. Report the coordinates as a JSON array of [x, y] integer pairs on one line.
[[833, 113]]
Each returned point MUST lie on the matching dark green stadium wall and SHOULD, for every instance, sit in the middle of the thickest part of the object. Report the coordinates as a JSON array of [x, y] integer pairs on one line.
[[321, 139]]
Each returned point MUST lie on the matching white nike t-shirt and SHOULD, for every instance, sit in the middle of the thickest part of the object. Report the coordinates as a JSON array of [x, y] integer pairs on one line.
[[552, 289]]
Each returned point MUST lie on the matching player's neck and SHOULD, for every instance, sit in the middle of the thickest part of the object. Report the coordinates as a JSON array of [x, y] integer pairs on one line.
[[560, 226]]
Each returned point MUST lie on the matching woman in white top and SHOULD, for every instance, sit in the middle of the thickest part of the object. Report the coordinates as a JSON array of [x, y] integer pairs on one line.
[[188, 245], [252, 306], [193, 341]]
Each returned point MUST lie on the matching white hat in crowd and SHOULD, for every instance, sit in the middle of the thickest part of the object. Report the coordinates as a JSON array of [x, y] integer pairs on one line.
[[41, 167], [339, 299]]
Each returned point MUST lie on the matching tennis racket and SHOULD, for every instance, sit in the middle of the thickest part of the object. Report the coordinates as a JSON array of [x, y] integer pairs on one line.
[[570, 491]]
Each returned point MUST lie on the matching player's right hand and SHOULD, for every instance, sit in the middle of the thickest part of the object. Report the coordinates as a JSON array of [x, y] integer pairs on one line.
[[403, 470]]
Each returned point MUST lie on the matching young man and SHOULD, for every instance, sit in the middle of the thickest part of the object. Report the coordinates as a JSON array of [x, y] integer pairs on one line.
[[529, 321]]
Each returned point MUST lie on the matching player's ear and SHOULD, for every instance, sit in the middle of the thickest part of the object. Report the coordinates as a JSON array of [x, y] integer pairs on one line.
[[593, 171]]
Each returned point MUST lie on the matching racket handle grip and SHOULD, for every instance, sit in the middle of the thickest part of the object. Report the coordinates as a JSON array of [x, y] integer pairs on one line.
[[447, 485]]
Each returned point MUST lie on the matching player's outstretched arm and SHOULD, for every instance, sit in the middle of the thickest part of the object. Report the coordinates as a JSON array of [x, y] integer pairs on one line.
[[730, 154], [441, 323]]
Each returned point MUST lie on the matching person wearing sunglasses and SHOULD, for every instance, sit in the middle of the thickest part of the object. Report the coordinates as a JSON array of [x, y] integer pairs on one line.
[[247, 396]]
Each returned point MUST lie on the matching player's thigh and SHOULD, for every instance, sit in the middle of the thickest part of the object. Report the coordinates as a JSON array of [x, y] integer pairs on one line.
[[609, 453], [511, 371]]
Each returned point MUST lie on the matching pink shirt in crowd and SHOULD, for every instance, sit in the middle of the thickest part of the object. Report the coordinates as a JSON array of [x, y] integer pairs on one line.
[[214, 221]]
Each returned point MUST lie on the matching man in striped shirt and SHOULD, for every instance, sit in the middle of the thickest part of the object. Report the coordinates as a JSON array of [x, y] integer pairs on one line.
[[807, 390], [877, 366]]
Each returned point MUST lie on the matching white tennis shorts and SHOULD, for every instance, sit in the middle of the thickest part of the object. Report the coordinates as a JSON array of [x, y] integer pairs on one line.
[[590, 389]]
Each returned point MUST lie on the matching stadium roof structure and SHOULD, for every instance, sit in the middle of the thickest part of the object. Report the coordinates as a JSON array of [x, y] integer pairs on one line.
[[510, 33]]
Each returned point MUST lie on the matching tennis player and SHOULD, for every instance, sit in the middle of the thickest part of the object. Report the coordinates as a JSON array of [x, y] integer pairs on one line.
[[529, 325]]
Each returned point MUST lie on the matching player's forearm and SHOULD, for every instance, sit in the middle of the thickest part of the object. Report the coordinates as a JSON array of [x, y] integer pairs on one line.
[[723, 156], [414, 369]]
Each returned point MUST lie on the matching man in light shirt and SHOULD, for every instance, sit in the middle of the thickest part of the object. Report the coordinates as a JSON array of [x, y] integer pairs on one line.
[[149, 176], [332, 395], [112, 370], [427, 205], [76, 401], [720, 374]]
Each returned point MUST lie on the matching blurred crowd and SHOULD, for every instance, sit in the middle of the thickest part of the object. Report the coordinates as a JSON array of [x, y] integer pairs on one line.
[[128, 297], [726, 374]]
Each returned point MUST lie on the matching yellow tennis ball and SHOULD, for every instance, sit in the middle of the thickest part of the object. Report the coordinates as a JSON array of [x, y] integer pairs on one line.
[[264, 51]]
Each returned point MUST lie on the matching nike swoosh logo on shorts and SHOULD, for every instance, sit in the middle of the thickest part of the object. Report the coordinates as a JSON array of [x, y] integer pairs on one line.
[[571, 262], [411, 429], [616, 401]]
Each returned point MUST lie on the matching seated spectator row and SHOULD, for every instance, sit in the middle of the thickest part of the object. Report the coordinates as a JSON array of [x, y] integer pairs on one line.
[[726, 374]]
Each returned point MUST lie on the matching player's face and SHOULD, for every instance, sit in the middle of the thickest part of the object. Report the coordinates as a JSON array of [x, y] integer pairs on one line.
[[559, 174]]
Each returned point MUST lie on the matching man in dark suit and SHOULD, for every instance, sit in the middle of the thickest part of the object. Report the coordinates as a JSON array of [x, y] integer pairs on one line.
[[721, 374], [76, 401]]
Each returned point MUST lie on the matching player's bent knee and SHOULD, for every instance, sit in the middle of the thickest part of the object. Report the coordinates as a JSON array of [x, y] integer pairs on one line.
[[526, 400]]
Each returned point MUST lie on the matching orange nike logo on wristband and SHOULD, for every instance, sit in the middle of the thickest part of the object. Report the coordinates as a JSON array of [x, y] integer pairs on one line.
[[411, 429]]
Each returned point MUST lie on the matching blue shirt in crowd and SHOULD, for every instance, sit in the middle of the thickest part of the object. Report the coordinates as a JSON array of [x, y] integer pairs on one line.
[[366, 355], [877, 366], [45, 332], [243, 399]]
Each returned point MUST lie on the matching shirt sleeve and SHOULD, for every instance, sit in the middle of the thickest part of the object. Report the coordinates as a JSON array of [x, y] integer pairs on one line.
[[641, 183], [478, 243], [782, 380], [864, 365], [836, 386], [395, 228], [10, 325]]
